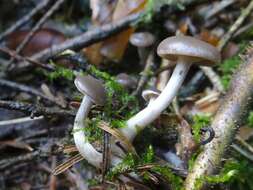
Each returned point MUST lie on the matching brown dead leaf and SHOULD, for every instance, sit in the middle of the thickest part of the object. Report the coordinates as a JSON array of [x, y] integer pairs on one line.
[[104, 12], [114, 47], [93, 53]]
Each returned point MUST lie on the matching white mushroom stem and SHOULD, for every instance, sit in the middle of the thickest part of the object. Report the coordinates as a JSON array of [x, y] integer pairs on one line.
[[82, 144], [152, 111]]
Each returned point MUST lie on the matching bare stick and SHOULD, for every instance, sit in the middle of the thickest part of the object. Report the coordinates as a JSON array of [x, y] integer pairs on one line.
[[87, 38], [19, 120], [228, 118], [35, 110], [214, 78], [27, 59], [145, 74], [218, 8], [29, 90], [245, 13], [24, 19], [38, 25]]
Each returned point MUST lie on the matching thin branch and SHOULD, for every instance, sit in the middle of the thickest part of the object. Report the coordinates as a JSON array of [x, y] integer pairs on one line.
[[245, 13], [29, 90], [38, 25], [88, 38], [145, 74], [35, 110], [27, 59], [24, 19], [214, 78]]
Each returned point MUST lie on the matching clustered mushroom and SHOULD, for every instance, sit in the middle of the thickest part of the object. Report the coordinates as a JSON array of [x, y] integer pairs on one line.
[[184, 50], [143, 41]]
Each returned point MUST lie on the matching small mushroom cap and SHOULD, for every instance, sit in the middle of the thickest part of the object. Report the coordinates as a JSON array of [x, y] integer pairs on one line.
[[150, 93], [142, 39], [91, 87], [125, 80], [190, 49]]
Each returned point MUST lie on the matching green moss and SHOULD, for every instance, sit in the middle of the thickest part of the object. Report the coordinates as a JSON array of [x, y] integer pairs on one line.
[[118, 123], [228, 174], [227, 68], [148, 156], [250, 119], [193, 159], [129, 163], [60, 72], [199, 121], [93, 182], [119, 103], [237, 173], [92, 132]]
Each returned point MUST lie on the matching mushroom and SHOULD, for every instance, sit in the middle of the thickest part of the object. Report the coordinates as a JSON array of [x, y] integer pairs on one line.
[[149, 95], [186, 51], [94, 92], [143, 41], [126, 81]]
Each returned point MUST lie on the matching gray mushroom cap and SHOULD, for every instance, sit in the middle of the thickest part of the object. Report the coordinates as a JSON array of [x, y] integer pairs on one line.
[[150, 93], [125, 80], [142, 39], [190, 49], [91, 87]]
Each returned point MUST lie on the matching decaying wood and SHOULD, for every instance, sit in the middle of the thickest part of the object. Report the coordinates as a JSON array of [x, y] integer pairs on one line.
[[227, 120]]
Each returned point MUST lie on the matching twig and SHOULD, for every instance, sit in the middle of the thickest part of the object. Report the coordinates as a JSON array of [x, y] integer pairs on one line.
[[35, 110], [226, 121], [19, 120], [243, 29], [106, 155], [245, 13], [8, 162], [242, 152], [38, 25], [27, 59], [214, 78], [145, 74], [218, 8], [244, 143], [52, 180], [24, 19], [29, 90], [89, 37], [44, 150]]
